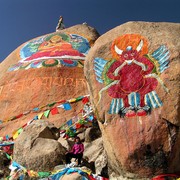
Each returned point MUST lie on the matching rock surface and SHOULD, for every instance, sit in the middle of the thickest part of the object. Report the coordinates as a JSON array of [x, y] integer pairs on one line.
[[74, 176], [37, 148], [41, 71], [95, 154], [140, 146]]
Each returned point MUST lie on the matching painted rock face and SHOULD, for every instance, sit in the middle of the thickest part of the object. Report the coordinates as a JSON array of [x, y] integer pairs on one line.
[[52, 50], [132, 76], [127, 73], [43, 71]]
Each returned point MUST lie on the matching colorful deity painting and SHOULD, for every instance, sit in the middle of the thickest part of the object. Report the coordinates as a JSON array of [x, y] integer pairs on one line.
[[57, 49], [57, 45], [132, 76]]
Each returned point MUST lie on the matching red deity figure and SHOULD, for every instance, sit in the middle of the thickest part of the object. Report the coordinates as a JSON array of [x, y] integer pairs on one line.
[[132, 76]]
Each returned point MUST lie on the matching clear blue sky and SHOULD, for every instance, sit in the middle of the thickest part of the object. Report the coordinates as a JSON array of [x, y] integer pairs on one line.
[[22, 20]]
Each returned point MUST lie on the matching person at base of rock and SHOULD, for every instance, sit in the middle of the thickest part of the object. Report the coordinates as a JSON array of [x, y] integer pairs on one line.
[[76, 152]]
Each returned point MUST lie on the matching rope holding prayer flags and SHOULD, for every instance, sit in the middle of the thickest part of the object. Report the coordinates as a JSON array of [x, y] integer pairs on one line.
[[66, 105], [54, 111]]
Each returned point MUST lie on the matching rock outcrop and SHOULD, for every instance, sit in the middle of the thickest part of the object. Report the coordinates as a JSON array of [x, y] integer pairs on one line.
[[133, 80], [94, 156], [42, 71], [135, 93], [37, 147]]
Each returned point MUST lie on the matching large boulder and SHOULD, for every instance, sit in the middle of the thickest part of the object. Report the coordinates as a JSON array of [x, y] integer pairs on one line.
[[37, 147], [135, 94], [42, 71], [95, 155]]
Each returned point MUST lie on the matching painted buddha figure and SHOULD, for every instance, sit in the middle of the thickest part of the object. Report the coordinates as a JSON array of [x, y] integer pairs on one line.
[[56, 46]]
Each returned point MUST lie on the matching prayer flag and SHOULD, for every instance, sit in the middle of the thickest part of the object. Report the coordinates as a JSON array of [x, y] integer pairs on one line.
[[79, 98], [67, 106], [46, 113], [52, 104], [75, 118], [4, 138], [73, 129], [20, 115], [81, 121], [72, 100], [24, 125], [43, 174], [20, 130], [8, 156], [32, 173], [62, 101], [54, 111], [35, 118], [12, 118], [69, 123], [27, 112], [7, 137], [36, 109], [15, 134], [85, 100], [42, 106], [40, 115], [29, 122], [21, 177], [91, 117], [61, 106], [78, 125]]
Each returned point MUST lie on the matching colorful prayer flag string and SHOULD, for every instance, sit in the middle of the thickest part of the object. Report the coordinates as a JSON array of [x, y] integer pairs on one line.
[[65, 104], [20, 172], [53, 111]]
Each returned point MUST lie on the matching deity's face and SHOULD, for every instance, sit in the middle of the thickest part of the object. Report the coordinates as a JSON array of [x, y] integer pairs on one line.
[[129, 55], [56, 39]]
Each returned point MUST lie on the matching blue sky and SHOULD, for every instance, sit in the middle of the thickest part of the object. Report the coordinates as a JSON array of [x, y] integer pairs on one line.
[[22, 20]]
